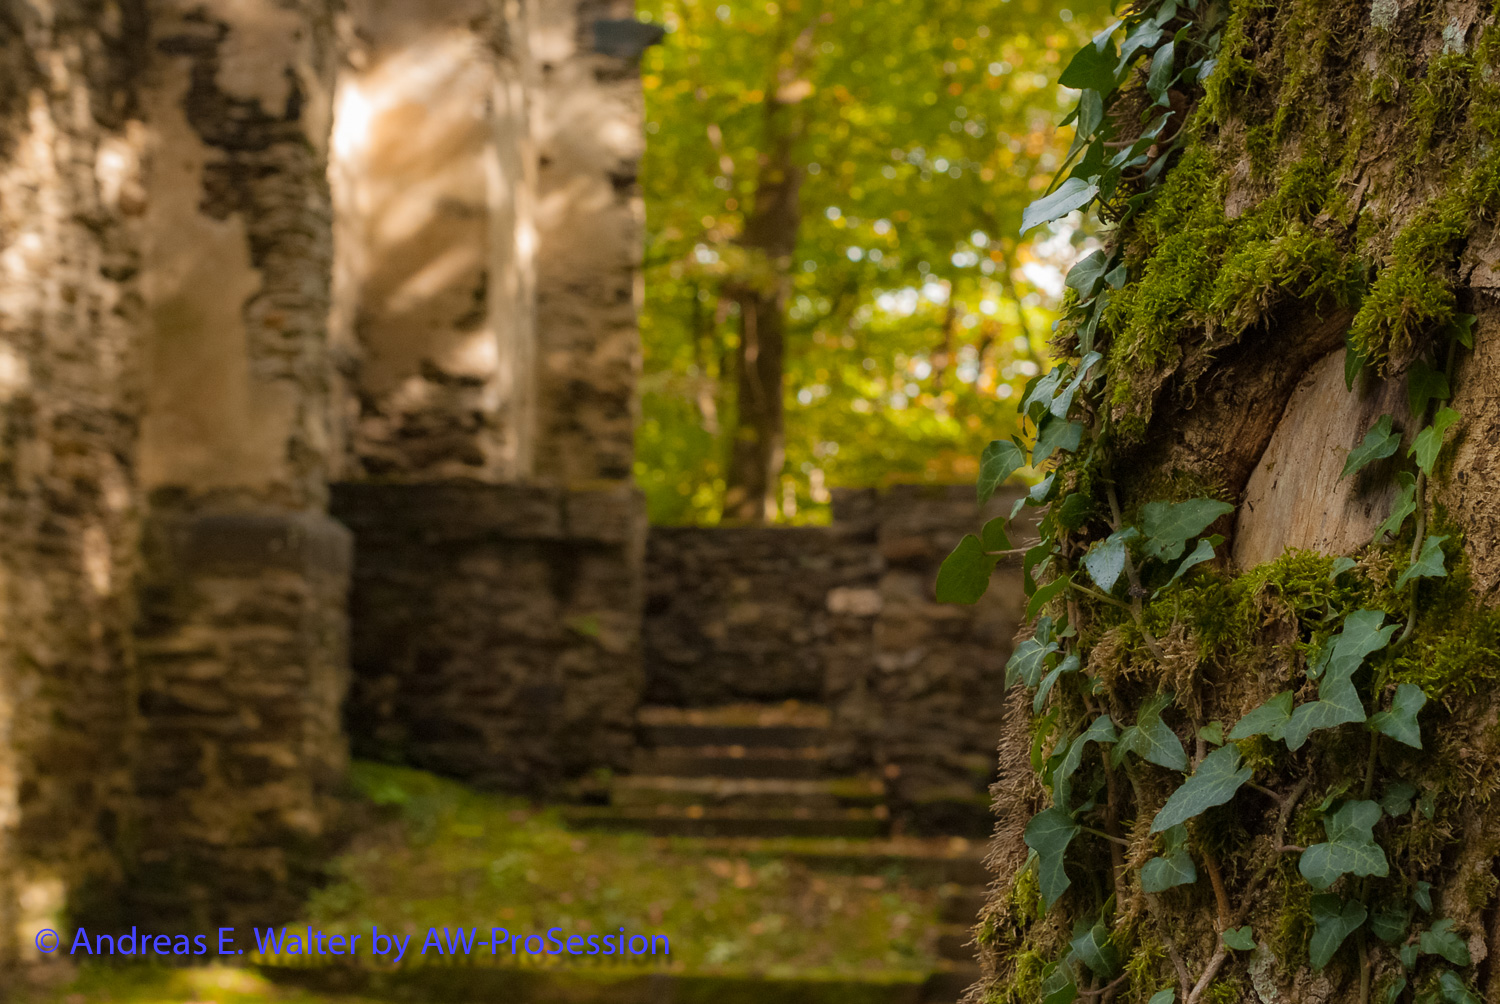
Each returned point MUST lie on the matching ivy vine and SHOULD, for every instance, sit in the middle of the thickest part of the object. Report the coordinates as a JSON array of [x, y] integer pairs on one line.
[[1139, 79]]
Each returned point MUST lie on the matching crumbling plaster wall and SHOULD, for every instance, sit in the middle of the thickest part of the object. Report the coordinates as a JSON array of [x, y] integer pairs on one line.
[[485, 315]]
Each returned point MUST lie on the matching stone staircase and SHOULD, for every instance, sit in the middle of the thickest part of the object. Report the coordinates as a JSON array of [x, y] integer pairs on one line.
[[757, 779]]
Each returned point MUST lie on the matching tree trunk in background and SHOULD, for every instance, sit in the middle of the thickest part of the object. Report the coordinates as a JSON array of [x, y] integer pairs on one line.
[[756, 450], [1336, 142]]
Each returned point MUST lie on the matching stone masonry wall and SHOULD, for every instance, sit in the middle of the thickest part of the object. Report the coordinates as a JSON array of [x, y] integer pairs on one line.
[[845, 615], [497, 629], [70, 203], [240, 646]]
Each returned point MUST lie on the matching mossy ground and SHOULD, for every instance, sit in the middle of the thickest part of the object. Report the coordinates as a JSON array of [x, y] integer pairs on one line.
[[435, 853]]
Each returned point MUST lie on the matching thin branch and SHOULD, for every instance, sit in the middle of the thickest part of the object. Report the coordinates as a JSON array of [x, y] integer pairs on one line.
[[1101, 597], [1106, 836]]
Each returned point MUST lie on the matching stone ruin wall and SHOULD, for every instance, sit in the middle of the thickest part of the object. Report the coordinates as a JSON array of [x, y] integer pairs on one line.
[[845, 615], [207, 332], [317, 367]]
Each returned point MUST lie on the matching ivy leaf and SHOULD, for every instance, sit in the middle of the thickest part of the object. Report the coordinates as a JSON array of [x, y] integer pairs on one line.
[[1034, 557], [1074, 193], [1400, 722], [1429, 563], [1397, 798], [1173, 868], [1380, 442], [1100, 730], [1338, 701], [1421, 894], [1151, 739], [993, 536], [1000, 460], [1342, 565], [1393, 991], [1090, 115], [1462, 328], [1203, 552], [1057, 982], [1167, 996], [1440, 940], [1454, 990], [1159, 77], [1169, 526], [1028, 661], [1390, 925], [1044, 594], [1093, 68], [1106, 559], [1087, 273], [1269, 720], [1068, 665], [1215, 781], [1350, 848], [1064, 399], [1354, 361], [1408, 956], [1212, 733], [1429, 441], [1333, 920], [1094, 949], [1053, 435], [1361, 636], [1040, 492], [1405, 505], [1041, 390], [1241, 939], [964, 575], [1144, 36], [1075, 510], [1049, 833], [1423, 383]]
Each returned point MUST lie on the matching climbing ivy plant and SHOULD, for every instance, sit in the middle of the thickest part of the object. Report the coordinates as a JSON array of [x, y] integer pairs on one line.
[[1100, 745]]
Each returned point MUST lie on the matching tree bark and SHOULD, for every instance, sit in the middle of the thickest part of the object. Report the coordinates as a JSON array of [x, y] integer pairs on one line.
[[1245, 400], [757, 448]]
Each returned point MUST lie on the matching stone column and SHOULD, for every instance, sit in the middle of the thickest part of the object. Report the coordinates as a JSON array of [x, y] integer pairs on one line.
[[70, 199], [241, 638]]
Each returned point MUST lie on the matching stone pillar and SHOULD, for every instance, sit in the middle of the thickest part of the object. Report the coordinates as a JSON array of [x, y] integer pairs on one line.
[[241, 638], [587, 122], [489, 407], [434, 292], [70, 199]]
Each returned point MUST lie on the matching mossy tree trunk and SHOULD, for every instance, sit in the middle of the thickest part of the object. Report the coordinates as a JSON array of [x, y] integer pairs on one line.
[[1320, 251]]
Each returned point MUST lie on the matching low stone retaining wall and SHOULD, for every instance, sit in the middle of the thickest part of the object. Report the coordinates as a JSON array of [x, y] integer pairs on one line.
[[846, 615]]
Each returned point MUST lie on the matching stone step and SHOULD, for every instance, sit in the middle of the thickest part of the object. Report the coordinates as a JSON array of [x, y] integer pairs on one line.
[[749, 736], [949, 984], [926, 860], [646, 791], [793, 713], [806, 763], [963, 906], [698, 821]]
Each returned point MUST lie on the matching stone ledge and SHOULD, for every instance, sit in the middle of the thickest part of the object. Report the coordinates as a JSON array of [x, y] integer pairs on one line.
[[247, 542], [454, 511]]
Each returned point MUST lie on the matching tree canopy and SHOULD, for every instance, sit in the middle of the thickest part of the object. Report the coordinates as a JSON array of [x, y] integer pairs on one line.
[[918, 130]]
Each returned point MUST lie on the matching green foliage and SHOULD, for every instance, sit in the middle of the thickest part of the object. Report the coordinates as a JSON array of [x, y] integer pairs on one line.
[[1334, 920], [915, 315], [1350, 848], [1380, 442], [1400, 721], [1151, 739], [1175, 865], [1215, 782], [1048, 834]]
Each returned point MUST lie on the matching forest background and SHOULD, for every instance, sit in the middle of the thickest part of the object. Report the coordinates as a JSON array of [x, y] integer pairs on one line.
[[836, 290]]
